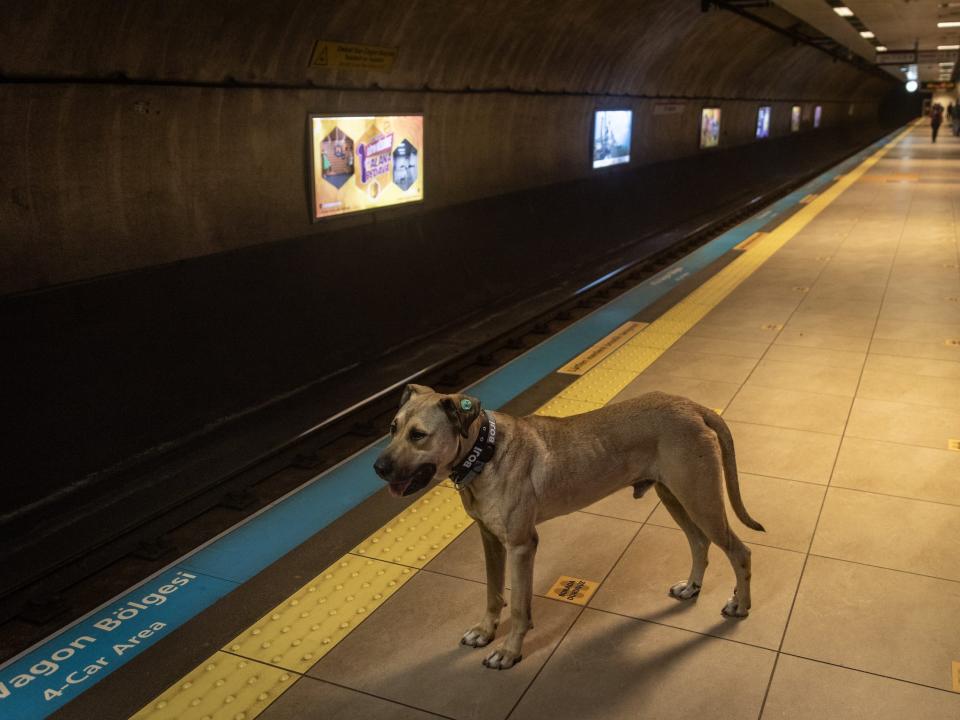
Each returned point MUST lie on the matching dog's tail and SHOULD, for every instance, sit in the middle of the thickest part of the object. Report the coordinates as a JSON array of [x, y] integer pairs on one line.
[[717, 424]]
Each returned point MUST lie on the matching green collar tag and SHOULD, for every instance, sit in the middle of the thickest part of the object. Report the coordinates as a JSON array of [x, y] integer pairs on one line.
[[465, 404]]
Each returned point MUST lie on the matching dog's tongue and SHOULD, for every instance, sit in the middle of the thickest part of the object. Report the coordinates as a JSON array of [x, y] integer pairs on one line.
[[397, 489]]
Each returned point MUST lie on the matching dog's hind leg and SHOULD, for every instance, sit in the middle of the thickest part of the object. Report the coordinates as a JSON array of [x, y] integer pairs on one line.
[[699, 545], [495, 555], [703, 502]]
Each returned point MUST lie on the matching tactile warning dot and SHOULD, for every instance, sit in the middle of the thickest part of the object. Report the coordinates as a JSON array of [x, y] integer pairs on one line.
[[419, 533], [310, 623], [652, 338], [225, 687], [600, 385], [635, 358], [564, 407]]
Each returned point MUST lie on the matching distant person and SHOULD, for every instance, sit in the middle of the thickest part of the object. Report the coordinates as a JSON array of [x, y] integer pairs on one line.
[[936, 118], [950, 112]]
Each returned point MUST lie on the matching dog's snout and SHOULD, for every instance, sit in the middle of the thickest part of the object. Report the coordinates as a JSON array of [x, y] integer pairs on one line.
[[383, 466]]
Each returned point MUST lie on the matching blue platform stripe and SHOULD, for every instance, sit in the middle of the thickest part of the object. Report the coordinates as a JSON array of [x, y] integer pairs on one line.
[[56, 670]]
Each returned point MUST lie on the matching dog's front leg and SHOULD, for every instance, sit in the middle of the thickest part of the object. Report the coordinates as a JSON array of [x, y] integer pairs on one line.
[[521, 594], [495, 555]]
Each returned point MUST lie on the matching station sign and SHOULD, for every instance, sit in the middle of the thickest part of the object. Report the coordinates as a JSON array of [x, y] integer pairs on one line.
[[933, 85], [915, 57]]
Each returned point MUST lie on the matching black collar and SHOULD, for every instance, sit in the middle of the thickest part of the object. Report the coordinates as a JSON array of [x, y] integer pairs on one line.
[[479, 454]]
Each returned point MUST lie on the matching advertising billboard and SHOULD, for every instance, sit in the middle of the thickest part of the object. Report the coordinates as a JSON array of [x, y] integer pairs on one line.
[[763, 121], [612, 133], [817, 114], [709, 127], [795, 118], [364, 162]]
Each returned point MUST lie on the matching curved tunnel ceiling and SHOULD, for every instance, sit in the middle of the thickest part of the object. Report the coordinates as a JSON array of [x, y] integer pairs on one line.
[[653, 48]]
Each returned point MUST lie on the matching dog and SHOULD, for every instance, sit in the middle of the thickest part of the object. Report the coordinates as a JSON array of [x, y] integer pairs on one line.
[[516, 472]]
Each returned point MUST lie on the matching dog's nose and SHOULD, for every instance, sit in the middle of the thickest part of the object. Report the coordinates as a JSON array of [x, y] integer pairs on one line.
[[383, 466]]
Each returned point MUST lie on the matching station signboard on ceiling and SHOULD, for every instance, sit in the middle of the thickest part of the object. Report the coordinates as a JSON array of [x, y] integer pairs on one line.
[[918, 57], [933, 85]]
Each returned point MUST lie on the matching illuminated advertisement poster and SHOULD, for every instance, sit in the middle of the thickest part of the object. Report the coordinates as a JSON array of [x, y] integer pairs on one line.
[[795, 118], [709, 127], [611, 137], [763, 121], [817, 114], [363, 163]]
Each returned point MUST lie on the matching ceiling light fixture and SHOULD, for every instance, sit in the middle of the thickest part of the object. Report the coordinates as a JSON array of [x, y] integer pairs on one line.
[[948, 47], [949, 23], [843, 11], [868, 34], [881, 48]]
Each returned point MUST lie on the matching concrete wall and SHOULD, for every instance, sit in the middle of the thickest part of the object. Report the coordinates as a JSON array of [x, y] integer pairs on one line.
[[138, 134]]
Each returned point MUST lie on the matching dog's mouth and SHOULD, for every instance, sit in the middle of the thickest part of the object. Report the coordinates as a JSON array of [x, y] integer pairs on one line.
[[414, 483]]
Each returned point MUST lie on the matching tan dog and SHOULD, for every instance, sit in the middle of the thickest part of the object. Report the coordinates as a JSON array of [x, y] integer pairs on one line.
[[535, 468]]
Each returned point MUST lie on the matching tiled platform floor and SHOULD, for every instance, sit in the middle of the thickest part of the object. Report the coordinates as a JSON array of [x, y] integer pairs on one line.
[[842, 420]]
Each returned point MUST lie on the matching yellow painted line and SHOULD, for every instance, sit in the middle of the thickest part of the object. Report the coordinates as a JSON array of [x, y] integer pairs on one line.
[[224, 687], [744, 244], [267, 658], [598, 351], [572, 590], [415, 536], [310, 623]]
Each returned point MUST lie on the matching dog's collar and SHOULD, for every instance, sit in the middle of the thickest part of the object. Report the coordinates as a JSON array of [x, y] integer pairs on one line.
[[479, 454]]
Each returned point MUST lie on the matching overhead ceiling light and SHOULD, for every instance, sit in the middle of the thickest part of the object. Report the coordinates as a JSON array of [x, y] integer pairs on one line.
[[868, 34], [912, 86], [948, 47], [881, 48], [843, 11], [949, 23]]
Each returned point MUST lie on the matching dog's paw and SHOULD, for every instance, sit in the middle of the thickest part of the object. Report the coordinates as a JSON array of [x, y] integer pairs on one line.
[[733, 609], [477, 636], [501, 659], [684, 591]]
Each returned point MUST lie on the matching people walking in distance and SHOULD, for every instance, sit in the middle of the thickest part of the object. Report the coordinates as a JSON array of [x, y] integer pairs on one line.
[[936, 118]]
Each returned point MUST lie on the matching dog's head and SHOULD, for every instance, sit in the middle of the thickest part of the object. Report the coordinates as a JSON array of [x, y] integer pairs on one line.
[[426, 437]]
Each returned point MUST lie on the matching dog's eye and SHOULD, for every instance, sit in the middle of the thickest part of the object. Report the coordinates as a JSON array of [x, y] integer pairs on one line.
[[416, 435]]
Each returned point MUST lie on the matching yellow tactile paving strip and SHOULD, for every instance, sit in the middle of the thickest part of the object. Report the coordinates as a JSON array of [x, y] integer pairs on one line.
[[266, 659]]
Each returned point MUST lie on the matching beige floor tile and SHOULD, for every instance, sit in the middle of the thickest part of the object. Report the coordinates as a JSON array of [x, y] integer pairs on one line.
[[624, 506], [702, 366], [805, 377], [925, 367], [745, 332], [787, 509], [828, 324], [634, 669], [910, 388], [578, 545], [903, 470], [660, 557], [789, 408], [947, 311], [904, 423], [784, 452], [934, 349], [881, 621], [718, 346], [312, 698], [807, 690], [706, 392], [892, 532], [408, 650], [916, 331], [825, 341], [845, 359], [853, 308]]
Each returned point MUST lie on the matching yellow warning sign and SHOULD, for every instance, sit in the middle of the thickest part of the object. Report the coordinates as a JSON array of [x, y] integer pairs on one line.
[[350, 55], [953, 444], [572, 590], [594, 354], [807, 199], [744, 244], [956, 675]]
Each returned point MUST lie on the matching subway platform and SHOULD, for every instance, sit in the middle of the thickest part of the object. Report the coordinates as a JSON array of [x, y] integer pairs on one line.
[[826, 330]]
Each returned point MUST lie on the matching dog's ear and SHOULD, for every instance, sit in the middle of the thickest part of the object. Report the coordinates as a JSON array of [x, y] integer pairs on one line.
[[411, 390], [462, 410]]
